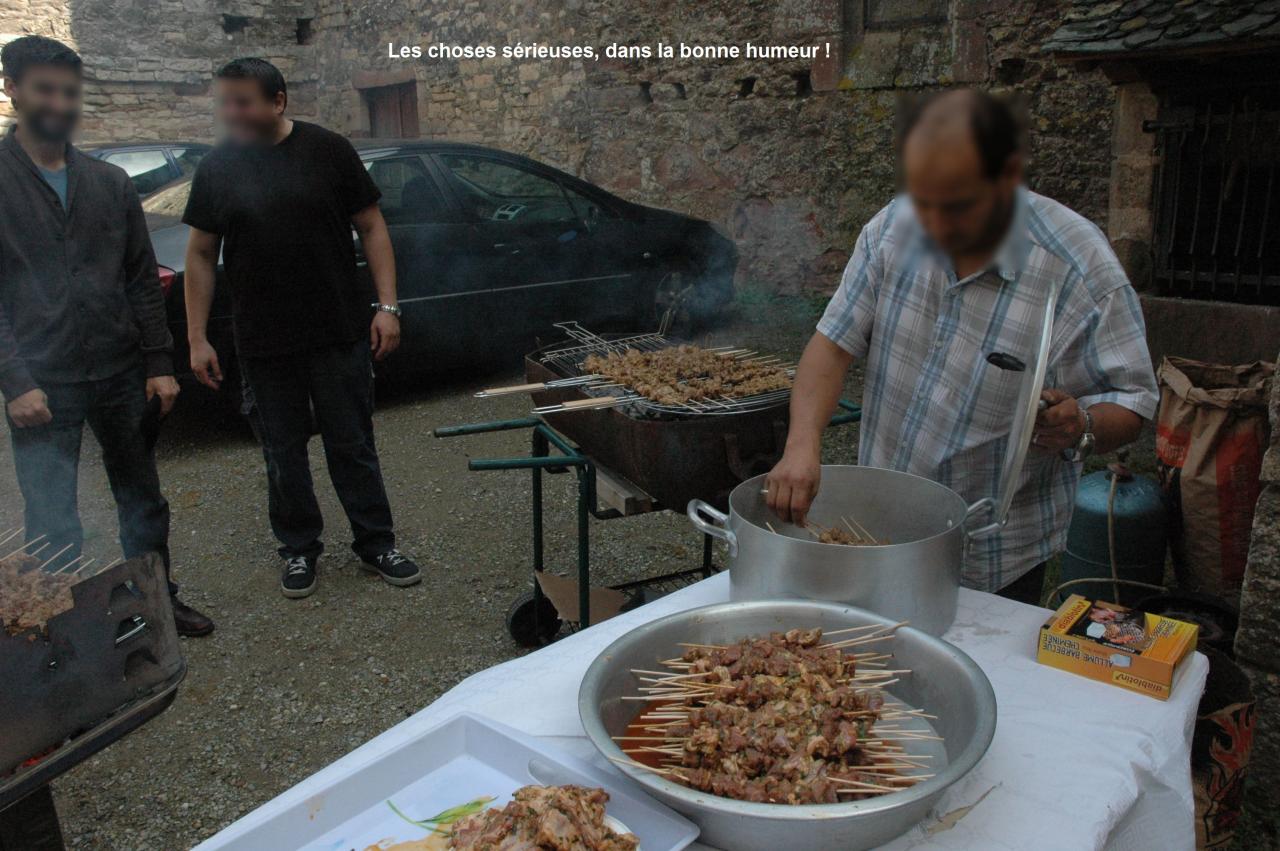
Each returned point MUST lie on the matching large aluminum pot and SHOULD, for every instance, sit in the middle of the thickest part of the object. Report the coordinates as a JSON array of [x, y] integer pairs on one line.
[[943, 682], [914, 578]]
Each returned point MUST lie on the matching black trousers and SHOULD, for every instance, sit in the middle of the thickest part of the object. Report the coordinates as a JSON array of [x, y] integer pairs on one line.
[[331, 387], [47, 458], [1027, 588]]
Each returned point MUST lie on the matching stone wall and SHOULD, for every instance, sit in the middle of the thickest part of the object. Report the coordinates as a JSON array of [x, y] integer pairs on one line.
[[148, 62], [792, 157], [1256, 642]]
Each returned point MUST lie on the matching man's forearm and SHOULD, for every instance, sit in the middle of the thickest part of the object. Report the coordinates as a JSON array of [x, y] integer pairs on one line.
[[375, 239], [819, 381], [1114, 426], [199, 282], [382, 263]]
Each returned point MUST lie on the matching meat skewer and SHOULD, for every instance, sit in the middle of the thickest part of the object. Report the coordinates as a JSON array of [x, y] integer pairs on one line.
[[782, 719]]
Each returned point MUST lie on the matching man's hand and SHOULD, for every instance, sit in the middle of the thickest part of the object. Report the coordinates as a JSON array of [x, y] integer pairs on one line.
[[30, 409], [384, 334], [204, 363], [166, 387], [793, 484], [1059, 426]]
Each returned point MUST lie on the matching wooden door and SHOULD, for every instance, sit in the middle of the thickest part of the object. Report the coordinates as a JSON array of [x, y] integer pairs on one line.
[[393, 111]]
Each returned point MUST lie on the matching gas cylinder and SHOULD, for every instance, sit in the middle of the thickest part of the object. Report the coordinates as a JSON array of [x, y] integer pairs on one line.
[[1141, 529]]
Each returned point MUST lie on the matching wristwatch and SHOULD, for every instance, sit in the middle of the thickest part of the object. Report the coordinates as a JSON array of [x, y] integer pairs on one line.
[[393, 309], [1084, 446]]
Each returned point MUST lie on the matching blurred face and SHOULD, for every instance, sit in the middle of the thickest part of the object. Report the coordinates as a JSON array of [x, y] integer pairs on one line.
[[961, 209], [248, 116], [47, 100]]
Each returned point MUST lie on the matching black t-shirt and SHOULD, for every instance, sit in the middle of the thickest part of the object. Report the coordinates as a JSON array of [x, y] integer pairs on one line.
[[284, 214]]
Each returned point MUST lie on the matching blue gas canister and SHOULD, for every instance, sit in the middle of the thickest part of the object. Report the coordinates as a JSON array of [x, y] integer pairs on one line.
[[1141, 532]]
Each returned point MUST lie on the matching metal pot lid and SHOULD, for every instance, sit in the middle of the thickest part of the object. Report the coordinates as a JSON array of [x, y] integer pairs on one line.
[[1025, 411]]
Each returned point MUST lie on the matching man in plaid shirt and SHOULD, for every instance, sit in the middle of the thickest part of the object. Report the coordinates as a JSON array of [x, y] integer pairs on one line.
[[953, 270]]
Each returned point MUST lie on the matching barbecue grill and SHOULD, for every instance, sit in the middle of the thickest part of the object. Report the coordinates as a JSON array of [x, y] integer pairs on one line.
[[664, 456], [95, 673]]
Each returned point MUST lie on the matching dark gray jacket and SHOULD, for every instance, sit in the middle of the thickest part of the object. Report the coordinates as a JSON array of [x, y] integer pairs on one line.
[[80, 298]]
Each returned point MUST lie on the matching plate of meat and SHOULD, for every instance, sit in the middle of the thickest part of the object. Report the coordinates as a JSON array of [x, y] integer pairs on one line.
[[469, 784]]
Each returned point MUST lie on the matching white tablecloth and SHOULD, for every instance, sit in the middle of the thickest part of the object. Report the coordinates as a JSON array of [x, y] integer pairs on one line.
[[1074, 764]]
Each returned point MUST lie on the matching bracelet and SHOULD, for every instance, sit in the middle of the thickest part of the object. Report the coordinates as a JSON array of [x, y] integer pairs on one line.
[[393, 309]]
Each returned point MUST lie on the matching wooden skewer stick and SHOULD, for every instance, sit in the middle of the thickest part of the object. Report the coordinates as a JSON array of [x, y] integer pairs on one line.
[[856, 785], [667, 751], [857, 536], [640, 738], [862, 530], [53, 557], [24, 546], [634, 764], [106, 567], [877, 686], [827, 634]]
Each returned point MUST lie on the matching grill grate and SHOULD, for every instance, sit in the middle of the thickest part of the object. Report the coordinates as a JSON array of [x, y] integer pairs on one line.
[[1217, 220], [568, 361]]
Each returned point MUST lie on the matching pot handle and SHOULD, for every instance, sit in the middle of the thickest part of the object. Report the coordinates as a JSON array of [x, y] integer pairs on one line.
[[986, 504], [716, 529]]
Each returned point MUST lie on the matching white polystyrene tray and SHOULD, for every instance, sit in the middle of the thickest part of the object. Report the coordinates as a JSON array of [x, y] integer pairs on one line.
[[464, 758]]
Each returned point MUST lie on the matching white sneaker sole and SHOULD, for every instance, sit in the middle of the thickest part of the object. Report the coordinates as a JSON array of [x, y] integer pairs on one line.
[[299, 593], [392, 580]]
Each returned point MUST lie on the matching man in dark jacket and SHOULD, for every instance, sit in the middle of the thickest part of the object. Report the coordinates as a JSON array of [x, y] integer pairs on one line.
[[83, 332]]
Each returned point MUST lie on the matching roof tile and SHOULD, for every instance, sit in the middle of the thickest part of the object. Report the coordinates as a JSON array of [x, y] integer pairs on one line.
[[1111, 26]]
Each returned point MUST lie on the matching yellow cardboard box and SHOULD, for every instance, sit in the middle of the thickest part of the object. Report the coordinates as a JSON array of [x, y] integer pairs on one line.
[[1117, 645]]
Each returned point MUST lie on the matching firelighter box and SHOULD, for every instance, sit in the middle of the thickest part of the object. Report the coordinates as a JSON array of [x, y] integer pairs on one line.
[[1114, 644]]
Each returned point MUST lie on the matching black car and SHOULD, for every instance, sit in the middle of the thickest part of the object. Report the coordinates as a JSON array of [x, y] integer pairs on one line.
[[152, 165], [491, 250]]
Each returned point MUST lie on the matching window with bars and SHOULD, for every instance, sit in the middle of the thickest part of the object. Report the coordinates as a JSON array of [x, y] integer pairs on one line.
[[1217, 194]]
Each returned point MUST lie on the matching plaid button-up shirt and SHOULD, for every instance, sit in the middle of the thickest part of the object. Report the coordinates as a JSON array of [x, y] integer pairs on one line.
[[933, 406]]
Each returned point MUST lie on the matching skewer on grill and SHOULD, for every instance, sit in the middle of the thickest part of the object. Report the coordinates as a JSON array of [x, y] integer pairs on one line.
[[24, 546], [575, 381]]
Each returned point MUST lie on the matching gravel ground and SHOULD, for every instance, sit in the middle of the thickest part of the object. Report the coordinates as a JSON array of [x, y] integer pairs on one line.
[[284, 687]]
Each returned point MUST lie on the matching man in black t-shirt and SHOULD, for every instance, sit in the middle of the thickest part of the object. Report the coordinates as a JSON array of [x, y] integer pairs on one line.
[[279, 198]]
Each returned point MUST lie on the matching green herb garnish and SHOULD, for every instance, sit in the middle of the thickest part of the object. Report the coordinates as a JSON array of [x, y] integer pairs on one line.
[[449, 816]]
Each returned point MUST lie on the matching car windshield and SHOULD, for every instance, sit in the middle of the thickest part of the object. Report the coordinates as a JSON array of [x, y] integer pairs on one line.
[[170, 201]]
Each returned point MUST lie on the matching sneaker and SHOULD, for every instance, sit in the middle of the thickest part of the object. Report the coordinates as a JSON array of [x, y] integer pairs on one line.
[[299, 578], [395, 568]]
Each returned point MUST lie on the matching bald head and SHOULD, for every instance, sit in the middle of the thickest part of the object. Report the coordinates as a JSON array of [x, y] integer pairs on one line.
[[961, 166]]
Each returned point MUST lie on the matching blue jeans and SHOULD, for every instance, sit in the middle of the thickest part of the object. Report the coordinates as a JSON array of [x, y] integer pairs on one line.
[[47, 458], [331, 389]]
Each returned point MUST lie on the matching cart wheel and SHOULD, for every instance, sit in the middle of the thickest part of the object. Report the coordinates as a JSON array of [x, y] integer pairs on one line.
[[533, 621]]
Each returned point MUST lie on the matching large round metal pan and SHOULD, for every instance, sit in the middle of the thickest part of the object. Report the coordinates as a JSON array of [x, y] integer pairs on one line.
[[943, 682]]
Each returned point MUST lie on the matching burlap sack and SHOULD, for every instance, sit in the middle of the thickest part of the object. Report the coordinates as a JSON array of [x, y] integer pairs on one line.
[[1211, 432]]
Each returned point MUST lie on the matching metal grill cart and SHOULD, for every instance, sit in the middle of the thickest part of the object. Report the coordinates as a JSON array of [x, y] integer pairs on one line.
[[630, 456], [95, 673]]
